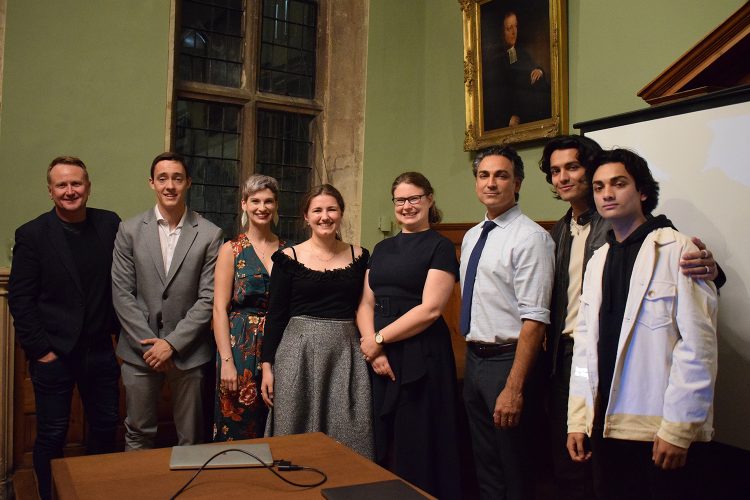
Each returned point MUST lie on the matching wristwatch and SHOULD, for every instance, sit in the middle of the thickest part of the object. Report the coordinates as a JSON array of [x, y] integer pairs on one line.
[[379, 338]]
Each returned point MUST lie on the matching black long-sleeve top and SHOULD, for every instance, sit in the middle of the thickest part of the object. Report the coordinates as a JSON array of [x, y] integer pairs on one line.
[[297, 290]]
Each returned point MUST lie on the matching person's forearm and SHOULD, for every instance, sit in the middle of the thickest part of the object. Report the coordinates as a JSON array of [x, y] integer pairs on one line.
[[415, 321], [194, 325], [436, 293], [133, 319], [529, 343], [221, 332], [365, 318]]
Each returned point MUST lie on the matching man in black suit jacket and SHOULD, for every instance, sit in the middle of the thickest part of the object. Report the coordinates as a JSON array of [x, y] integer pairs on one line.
[[60, 296]]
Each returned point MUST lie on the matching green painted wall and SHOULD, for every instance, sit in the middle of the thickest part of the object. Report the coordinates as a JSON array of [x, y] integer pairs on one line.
[[394, 112], [90, 79], [415, 99], [87, 79]]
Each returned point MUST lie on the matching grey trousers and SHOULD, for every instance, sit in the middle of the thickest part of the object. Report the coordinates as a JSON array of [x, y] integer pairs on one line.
[[142, 392]]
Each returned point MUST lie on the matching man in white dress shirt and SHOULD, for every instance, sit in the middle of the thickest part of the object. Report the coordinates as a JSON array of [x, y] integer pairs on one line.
[[505, 310]]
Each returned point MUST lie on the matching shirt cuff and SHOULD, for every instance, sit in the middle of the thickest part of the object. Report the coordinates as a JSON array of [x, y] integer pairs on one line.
[[540, 314]]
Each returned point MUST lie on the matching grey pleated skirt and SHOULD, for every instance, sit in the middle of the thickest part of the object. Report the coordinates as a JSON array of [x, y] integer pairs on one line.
[[321, 384]]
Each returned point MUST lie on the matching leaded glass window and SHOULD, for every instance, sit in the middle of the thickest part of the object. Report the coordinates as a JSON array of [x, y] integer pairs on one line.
[[208, 134], [287, 53], [212, 41], [245, 101], [283, 152]]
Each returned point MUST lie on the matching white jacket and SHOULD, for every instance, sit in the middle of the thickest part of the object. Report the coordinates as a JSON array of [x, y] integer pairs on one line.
[[665, 369]]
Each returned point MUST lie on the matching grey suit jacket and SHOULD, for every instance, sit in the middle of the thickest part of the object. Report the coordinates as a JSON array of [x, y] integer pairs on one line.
[[177, 306]]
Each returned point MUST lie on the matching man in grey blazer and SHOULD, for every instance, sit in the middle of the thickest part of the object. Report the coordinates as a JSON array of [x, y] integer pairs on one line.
[[162, 287]]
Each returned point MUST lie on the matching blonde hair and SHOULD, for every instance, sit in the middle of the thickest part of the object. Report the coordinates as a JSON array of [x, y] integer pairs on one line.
[[253, 184], [67, 160]]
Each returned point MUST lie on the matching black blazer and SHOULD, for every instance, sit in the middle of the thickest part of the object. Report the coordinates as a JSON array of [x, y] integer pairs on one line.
[[45, 294]]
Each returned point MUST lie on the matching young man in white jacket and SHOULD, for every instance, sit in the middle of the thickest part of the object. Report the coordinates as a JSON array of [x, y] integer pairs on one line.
[[644, 360]]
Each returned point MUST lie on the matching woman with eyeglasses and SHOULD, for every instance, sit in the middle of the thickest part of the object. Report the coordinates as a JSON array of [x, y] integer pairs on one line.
[[407, 344]]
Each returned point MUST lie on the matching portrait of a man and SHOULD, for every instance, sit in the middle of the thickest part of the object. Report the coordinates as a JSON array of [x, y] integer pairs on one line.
[[515, 62]]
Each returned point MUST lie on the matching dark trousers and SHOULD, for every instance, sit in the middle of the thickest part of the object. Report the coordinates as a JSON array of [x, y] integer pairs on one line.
[[96, 373], [503, 458], [573, 480], [623, 470]]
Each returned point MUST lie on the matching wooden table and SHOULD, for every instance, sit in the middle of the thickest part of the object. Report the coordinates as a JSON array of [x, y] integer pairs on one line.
[[146, 474]]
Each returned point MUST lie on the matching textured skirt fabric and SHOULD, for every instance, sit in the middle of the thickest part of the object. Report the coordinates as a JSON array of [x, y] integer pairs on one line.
[[321, 384]]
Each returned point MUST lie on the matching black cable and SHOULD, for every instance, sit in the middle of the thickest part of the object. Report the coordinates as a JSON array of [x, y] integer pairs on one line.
[[285, 466]]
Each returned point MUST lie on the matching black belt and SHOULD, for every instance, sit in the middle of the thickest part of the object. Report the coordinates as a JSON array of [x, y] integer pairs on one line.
[[489, 350]]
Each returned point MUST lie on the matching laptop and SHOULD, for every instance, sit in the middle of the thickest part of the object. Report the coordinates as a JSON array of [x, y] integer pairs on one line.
[[193, 457]]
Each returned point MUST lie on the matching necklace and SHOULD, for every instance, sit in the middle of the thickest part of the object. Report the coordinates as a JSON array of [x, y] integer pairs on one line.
[[259, 250], [318, 254]]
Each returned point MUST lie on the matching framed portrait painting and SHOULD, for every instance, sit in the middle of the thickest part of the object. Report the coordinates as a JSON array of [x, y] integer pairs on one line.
[[515, 71]]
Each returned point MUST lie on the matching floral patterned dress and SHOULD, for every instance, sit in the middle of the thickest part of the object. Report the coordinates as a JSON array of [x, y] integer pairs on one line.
[[242, 414]]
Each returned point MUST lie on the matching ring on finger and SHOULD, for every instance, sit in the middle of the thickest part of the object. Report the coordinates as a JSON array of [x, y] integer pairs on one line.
[[708, 270]]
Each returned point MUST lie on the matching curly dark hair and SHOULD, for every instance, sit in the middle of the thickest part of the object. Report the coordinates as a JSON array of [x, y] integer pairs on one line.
[[638, 169], [587, 151]]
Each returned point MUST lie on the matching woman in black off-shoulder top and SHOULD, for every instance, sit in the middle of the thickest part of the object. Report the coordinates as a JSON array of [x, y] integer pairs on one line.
[[314, 377]]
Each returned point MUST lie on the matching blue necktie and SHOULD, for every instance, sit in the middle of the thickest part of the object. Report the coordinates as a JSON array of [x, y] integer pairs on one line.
[[471, 275]]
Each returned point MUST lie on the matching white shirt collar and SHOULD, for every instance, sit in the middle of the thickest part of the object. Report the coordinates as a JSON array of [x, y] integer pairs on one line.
[[506, 217], [161, 220]]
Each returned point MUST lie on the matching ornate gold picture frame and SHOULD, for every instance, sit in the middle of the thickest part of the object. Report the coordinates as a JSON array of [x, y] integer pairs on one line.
[[515, 71]]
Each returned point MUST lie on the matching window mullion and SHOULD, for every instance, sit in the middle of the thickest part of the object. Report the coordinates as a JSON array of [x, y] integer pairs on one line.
[[208, 89]]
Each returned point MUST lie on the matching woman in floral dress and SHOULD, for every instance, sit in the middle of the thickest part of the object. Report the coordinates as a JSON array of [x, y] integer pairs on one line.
[[241, 291]]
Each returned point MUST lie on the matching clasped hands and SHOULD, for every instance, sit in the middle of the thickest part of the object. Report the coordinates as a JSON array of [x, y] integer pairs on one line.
[[373, 353], [159, 355]]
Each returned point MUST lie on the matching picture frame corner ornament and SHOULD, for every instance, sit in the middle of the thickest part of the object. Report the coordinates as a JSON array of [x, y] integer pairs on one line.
[[465, 4]]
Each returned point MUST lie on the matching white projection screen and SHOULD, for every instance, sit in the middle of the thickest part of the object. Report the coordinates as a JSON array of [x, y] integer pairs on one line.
[[699, 151]]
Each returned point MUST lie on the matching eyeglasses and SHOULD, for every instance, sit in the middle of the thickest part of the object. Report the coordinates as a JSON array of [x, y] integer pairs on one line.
[[413, 200]]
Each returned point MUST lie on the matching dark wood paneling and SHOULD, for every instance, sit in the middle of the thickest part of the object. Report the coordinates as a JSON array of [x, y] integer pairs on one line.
[[24, 428]]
